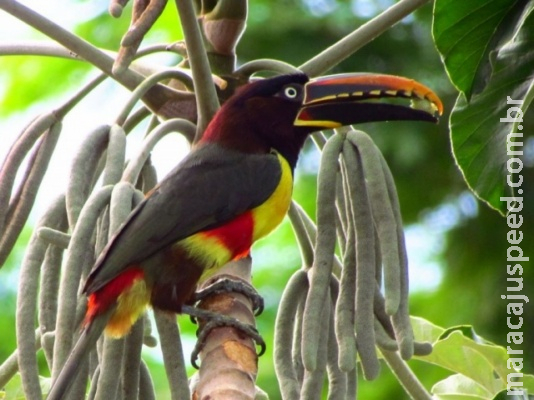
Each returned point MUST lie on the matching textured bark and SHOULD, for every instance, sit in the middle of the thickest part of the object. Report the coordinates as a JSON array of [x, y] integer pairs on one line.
[[229, 360]]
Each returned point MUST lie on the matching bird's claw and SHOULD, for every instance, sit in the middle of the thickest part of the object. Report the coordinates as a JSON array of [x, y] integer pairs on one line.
[[213, 321], [226, 285]]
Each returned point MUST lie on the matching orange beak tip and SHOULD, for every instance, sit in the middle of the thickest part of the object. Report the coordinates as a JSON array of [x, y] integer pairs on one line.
[[427, 105]]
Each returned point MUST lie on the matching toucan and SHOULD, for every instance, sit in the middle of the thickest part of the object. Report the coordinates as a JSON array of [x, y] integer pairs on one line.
[[232, 189]]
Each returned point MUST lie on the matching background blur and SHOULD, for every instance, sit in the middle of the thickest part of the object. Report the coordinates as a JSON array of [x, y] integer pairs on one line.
[[457, 245]]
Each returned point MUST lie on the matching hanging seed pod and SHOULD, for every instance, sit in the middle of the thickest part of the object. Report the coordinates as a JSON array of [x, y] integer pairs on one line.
[[48, 289], [84, 172], [14, 216], [173, 356], [365, 262], [324, 249], [27, 304], [115, 155], [383, 217], [296, 289], [75, 261], [132, 171]]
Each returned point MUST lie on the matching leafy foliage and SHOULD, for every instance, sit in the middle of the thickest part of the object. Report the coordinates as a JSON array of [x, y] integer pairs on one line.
[[487, 49], [480, 367]]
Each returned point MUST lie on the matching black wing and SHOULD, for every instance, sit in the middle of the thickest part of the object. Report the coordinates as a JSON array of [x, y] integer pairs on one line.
[[211, 186]]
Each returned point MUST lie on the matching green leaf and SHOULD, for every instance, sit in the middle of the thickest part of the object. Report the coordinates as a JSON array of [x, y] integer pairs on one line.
[[465, 31], [466, 330], [528, 387], [458, 354], [482, 365], [425, 331], [482, 118], [459, 387]]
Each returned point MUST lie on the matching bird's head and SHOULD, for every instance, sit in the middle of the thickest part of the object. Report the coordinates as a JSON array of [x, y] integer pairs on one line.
[[281, 112]]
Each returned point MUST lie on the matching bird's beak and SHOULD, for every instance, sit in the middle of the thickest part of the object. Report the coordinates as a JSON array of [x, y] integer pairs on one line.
[[346, 99]]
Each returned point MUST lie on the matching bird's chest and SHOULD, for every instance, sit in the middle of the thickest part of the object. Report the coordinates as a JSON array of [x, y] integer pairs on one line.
[[270, 213], [233, 240]]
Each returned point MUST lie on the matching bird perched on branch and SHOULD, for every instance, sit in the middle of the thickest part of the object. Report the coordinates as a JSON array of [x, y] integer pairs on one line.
[[232, 189]]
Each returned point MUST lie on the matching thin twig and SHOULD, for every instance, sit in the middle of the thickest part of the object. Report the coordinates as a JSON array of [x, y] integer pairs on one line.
[[32, 48], [145, 86], [206, 97], [15, 157], [131, 173], [347, 46], [254, 66], [72, 42], [301, 234], [51, 270], [405, 376]]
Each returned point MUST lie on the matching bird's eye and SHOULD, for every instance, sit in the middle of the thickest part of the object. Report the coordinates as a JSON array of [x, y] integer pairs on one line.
[[291, 92]]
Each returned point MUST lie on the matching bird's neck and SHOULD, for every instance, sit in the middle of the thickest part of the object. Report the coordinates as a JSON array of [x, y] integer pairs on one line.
[[222, 131]]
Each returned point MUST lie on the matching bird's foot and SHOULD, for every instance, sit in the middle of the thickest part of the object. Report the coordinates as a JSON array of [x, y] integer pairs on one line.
[[213, 321], [226, 285]]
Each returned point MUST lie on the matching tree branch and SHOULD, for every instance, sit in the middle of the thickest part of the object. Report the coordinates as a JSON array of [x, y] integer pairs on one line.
[[75, 44], [206, 96], [229, 360], [159, 98], [347, 46], [405, 376]]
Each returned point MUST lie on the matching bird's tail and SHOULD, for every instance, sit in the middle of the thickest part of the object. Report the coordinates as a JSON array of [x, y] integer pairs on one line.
[[86, 342]]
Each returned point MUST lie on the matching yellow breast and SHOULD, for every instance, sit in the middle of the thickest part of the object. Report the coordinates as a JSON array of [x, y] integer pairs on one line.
[[268, 215], [216, 247]]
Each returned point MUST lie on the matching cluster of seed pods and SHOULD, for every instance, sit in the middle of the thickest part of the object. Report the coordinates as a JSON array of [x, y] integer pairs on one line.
[[334, 311], [65, 242]]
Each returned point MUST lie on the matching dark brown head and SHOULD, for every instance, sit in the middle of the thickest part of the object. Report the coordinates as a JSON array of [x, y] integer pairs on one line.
[[279, 113]]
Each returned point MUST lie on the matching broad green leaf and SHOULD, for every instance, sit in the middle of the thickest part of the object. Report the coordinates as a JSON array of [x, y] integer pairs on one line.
[[466, 330], [480, 361], [478, 135], [459, 387], [425, 331], [464, 33], [456, 354]]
